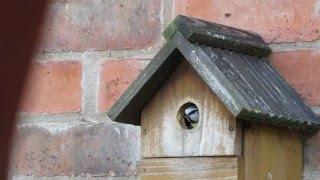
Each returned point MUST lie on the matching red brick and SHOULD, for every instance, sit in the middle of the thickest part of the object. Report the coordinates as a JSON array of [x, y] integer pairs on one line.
[[275, 20], [115, 77], [79, 25], [301, 70], [53, 88], [66, 150]]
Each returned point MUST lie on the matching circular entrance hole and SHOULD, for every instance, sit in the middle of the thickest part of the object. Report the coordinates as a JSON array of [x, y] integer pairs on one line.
[[188, 116]]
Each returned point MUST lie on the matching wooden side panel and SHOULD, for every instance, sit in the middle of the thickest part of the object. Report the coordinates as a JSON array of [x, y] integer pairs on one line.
[[270, 153], [217, 133], [189, 168]]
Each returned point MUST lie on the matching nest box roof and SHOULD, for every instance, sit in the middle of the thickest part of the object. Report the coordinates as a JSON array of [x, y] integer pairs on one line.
[[233, 63]]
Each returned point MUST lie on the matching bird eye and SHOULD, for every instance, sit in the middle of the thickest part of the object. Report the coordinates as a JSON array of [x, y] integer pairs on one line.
[[188, 116]]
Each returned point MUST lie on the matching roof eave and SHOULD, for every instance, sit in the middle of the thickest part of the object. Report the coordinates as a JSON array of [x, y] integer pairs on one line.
[[127, 109], [275, 120]]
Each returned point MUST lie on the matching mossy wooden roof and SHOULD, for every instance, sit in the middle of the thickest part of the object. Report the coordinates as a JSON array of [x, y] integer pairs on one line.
[[234, 65]]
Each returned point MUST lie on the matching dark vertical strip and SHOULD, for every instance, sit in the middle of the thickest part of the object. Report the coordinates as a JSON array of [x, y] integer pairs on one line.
[[20, 26]]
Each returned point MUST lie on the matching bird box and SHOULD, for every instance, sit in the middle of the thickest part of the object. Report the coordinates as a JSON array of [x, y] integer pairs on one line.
[[210, 106]]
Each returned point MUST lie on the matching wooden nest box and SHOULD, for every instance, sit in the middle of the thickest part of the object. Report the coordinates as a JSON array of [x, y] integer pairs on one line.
[[210, 106]]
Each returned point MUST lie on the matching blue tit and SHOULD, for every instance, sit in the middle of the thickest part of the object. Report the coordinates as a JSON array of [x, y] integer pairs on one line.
[[191, 116]]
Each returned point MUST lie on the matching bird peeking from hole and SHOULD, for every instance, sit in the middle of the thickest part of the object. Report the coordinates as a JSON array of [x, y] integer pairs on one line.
[[191, 116]]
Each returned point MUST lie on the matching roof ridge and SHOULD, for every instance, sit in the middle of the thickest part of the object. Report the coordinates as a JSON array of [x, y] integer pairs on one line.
[[217, 35]]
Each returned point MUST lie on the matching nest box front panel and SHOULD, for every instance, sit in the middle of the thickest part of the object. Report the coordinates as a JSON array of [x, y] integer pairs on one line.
[[185, 118]]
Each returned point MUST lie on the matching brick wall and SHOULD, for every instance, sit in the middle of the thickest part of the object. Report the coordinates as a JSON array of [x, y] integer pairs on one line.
[[89, 53]]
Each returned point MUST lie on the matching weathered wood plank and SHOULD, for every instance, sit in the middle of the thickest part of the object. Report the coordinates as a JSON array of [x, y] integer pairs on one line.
[[217, 133], [270, 153], [225, 168], [217, 35]]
